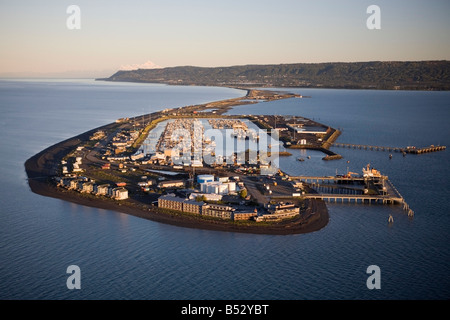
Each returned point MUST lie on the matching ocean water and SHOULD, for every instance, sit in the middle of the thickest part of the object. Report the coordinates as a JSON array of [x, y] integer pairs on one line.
[[123, 257]]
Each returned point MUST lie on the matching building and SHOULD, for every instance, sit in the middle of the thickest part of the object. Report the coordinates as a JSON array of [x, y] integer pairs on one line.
[[206, 196], [237, 216], [192, 206], [138, 156], [197, 207], [73, 184], [87, 187], [159, 156], [170, 202], [278, 207], [305, 128], [171, 184], [180, 204], [65, 181], [279, 215], [213, 187], [76, 168], [218, 211], [296, 127], [120, 193], [279, 211], [204, 178], [144, 185], [101, 190], [218, 187]]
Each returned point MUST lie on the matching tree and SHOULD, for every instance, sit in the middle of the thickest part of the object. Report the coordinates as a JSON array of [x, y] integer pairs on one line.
[[200, 198], [243, 193]]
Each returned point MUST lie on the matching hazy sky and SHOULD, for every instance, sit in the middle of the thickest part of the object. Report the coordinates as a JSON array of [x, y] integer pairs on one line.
[[34, 37]]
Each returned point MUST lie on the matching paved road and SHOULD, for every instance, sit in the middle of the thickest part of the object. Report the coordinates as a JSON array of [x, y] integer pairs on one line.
[[91, 156], [253, 190]]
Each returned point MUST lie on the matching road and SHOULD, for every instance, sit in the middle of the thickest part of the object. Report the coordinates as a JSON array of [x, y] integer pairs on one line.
[[91, 156], [252, 189]]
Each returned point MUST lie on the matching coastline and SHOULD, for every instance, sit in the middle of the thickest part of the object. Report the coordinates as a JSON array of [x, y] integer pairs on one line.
[[318, 220], [41, 167]]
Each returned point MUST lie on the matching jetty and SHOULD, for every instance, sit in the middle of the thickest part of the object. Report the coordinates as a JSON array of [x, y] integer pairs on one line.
[[411, 150]]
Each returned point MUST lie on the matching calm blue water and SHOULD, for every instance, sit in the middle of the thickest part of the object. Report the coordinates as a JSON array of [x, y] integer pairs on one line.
[[123, 257]]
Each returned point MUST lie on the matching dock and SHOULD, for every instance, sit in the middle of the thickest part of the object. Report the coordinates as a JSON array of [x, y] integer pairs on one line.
[[328, 179], [411, 150], [363, 199], [350, 189]]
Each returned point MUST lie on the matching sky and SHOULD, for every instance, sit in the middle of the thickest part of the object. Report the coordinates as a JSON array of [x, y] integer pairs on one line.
[[35, 39]]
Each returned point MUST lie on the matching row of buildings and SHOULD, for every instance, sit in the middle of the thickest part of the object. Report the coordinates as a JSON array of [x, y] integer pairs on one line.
[[85, 185], [273, 212], [172, 202]]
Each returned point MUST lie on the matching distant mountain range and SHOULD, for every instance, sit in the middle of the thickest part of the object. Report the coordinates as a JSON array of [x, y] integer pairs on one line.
[[392, 75]]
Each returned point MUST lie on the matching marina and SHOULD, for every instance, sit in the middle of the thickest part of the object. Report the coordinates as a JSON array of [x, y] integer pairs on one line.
[[108, 167]]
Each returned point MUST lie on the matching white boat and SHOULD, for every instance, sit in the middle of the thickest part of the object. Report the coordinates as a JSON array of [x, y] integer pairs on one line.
[[369, 172]]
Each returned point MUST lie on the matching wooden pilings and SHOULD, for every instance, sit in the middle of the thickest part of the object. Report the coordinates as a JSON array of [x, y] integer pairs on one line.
[[362, 199], [411, 150], [408, 209]]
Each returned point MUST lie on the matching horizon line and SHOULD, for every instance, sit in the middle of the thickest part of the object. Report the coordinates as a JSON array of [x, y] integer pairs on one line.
[[60, 74]]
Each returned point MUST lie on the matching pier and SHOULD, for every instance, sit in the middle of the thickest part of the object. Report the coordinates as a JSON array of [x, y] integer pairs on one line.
[[355, 198], [371, 188], [328, 179], [411, 150]]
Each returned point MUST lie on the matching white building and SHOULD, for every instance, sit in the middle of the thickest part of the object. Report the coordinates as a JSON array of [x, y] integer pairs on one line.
[[171, 184], [207, 196], [218, 187], [102, 190], [203, 178], [223, 179], [120, 193], [87, 187]]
